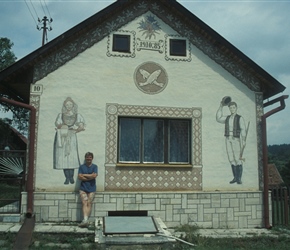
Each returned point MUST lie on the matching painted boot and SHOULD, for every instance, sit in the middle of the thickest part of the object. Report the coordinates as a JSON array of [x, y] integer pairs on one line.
[[234, 169], [239, 174], [66, 174], [71, 176]]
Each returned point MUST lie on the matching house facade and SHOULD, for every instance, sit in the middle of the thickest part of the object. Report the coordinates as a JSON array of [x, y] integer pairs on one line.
[[170, 110]]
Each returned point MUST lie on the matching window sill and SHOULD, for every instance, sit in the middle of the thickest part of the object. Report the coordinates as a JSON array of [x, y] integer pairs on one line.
[[153, 165]]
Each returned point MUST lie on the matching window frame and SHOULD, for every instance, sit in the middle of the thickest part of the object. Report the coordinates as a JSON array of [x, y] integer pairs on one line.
[[167, 125], [169, 56], [115, 43], [114, 110], [174, 43]]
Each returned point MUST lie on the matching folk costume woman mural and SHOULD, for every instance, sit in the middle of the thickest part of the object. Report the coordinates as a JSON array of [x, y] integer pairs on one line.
[[68, 123]]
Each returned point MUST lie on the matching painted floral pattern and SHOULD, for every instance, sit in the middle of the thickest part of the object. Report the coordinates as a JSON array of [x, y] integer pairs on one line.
[[149, 27]]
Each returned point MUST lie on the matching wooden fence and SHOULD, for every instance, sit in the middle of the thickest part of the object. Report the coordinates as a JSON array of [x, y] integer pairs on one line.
[[280, 205]]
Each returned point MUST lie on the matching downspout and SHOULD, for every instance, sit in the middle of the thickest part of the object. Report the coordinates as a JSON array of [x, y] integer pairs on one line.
[[280, 99], [30, 176]]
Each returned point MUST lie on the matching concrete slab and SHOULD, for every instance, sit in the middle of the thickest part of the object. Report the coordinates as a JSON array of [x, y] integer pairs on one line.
[[58, 228], [142, 235], [129, 225], [10, 218], [10, 227]]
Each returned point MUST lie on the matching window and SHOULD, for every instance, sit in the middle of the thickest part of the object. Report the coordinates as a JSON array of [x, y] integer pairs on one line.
[[121, 43], [177, 47], [161, 141]]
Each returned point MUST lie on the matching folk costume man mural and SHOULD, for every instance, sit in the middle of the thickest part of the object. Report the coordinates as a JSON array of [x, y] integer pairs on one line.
[[68, 123], [235, 137]]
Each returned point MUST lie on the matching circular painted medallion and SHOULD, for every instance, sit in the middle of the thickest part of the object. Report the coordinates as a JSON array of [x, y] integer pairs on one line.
[[150, 78]]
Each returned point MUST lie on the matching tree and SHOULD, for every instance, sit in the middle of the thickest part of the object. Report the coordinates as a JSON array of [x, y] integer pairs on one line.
[[4, 132], [285, 173], [20, 115], [7, 56]]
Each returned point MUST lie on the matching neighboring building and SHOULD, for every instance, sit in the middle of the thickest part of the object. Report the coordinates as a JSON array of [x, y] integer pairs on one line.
[[275, 179], [13, 140], [13, 147], [145, 86]]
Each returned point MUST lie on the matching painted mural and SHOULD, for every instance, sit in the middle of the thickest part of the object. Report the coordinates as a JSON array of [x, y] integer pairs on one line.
[[150, 78], [235, 136], [65, 153], [149, 27]]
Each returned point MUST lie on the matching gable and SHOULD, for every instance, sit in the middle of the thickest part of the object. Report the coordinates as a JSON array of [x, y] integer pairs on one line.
[[73, 42]]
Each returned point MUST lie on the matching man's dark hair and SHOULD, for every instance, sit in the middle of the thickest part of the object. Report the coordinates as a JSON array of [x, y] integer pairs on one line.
[[89, 154]]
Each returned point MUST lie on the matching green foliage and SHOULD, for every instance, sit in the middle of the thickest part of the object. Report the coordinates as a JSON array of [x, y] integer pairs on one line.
[[7, 240], [7, 56], [20, 115], [280, 156], [4, 131], [190, 232], [285, 173], [10, 191]]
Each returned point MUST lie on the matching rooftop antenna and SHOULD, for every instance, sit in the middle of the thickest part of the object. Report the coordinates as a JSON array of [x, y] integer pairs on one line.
[[45, 22]]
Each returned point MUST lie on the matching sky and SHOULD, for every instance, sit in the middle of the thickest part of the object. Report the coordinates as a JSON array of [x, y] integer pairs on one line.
[[260, 29]]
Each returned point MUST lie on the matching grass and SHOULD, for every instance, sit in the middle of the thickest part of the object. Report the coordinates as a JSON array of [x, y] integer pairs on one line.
[[50, 241], [274, 242]]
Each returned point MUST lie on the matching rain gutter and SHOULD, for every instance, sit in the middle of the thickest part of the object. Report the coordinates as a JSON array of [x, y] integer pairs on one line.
[[30, 176], [280, 99]]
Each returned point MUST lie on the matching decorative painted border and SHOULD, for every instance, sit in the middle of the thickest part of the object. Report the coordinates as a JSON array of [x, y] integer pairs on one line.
[[132, 35], [35, 102], [259, 114], [142, 178]]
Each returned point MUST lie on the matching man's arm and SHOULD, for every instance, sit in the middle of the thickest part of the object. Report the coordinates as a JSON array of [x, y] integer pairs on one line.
[[219, 115], [87, 177]]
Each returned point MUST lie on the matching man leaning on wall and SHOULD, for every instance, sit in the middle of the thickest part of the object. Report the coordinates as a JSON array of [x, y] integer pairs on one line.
[[87, 174]]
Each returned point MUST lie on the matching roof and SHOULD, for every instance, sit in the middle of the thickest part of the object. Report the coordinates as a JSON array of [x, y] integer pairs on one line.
[[15, 80], [275, 178], [15, 140], [19, 135]]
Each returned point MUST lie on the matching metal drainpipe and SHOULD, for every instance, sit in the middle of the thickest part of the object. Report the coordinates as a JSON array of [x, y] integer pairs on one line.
[[30, 176], [280, 99]]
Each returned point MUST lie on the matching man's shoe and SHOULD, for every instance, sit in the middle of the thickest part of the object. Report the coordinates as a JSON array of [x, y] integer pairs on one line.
[[84, 224]]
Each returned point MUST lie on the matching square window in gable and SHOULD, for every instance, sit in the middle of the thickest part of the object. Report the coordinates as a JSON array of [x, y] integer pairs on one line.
[[177, 47], [121, 43]]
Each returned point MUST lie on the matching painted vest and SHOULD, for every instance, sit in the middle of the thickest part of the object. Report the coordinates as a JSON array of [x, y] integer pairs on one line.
[[236, 126]]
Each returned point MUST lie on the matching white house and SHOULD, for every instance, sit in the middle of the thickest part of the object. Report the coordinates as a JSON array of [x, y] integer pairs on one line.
[[171, 110]]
